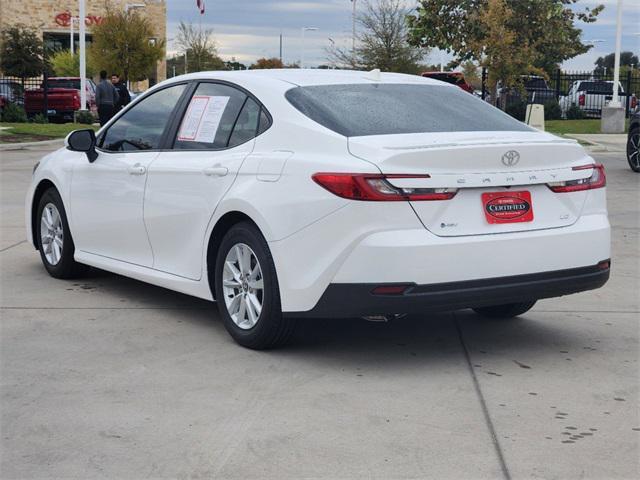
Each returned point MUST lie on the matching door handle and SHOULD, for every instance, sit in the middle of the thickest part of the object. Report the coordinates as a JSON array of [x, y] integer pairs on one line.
[[137, 169], [216, 171]]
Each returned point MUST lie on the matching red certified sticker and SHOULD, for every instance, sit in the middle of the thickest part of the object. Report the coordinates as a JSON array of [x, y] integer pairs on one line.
[[507, 207]]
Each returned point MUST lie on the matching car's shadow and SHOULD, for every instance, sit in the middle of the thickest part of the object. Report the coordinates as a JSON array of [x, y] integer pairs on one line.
[[416, 340]]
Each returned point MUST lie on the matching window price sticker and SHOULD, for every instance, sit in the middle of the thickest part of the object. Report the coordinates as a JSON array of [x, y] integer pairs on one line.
[[201, 122]]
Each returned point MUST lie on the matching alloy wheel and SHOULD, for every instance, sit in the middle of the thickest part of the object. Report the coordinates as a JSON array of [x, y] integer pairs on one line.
[[243, 286], [51, 233], [633, 149]]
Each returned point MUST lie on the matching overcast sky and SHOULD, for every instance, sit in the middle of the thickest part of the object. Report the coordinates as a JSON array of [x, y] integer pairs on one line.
[[249, 29]]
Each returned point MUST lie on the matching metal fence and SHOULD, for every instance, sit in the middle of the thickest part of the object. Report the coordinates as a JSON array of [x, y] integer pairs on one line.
[[567, 94], [13, 90]]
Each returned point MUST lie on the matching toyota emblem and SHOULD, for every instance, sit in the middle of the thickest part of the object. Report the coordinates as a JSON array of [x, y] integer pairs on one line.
[[510, 158]]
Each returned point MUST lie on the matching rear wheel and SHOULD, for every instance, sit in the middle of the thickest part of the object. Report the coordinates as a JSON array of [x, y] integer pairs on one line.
[[509, 310], [633, 149], [246, 289], [54, 238]]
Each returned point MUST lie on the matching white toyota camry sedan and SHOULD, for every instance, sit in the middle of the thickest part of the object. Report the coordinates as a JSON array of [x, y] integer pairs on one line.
[[283, 194]]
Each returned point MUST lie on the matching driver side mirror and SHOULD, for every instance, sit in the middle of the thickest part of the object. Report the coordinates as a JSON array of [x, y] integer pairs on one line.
[[83, 141]]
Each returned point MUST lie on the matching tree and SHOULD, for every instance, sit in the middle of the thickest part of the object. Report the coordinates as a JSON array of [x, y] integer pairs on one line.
[[262, 63], [123, 43], [233, 64], [607, 62], [21, 52], [200, 47], [382, 40], [64, 64], [544, 29], [471, 75], [506, 58]]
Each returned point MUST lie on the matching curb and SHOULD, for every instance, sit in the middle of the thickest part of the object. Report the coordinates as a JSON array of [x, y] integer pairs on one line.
[[591, 146], [22, 146]]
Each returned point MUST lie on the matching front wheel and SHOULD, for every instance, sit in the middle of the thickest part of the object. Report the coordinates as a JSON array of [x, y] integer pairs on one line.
[[54, 238], [633, 149], [509, 310], [246, 290]]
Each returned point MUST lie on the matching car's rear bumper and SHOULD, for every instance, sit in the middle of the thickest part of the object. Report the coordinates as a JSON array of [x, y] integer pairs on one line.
[[357, 300]]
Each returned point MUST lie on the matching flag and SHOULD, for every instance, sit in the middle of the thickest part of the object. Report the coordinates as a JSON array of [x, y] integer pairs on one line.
[[200, 5]]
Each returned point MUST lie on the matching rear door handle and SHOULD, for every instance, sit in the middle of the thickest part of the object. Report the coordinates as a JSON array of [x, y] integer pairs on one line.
[[216, 171], [137, 169]]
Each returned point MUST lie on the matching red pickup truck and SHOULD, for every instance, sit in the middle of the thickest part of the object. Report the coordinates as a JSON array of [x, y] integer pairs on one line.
[[63, 98], [455, 78]]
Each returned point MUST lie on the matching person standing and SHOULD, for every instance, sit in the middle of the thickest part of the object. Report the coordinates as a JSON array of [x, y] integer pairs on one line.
[[106, 98], [123, 92]]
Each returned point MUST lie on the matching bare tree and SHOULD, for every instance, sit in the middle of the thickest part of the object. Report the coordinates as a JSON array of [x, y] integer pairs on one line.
[[381, 41], [200, 48]]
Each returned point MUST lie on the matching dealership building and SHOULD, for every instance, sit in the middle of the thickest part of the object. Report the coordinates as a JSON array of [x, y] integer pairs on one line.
[[55, 19]]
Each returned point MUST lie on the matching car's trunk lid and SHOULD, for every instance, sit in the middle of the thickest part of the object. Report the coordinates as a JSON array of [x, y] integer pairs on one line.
[[478, 163]]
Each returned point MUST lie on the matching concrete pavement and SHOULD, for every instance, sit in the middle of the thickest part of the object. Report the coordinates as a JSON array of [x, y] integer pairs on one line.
[[603, 142], [107, 377]]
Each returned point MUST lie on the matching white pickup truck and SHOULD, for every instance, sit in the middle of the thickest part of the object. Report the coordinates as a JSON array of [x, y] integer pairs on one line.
[[591, 95]]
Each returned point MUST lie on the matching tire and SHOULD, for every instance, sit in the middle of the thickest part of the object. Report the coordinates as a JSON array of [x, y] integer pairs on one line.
[[57, 261], [633, 149], [238, 292], [509, 310]]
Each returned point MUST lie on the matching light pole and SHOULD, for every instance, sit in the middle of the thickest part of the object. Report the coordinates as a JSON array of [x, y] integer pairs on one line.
[[615, 102], [71, 35], [613, 114], [305, 29], [83, 53]]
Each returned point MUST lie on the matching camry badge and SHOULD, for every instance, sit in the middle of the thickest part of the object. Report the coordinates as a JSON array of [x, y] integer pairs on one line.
[[511, 158]]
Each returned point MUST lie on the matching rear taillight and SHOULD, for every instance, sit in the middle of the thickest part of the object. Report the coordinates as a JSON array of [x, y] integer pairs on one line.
[[376, 188], [582, 99], [634, 102], [597, 179]]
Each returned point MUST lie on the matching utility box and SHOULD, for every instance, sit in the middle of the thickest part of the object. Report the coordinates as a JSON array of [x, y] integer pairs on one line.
[[612, 120], [535, 116]]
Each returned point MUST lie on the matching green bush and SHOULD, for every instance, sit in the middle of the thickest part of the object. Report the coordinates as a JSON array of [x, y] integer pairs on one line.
[[575, 113], [14, 113], [40, 118], [85, 116], [552, 110], [517, 109]]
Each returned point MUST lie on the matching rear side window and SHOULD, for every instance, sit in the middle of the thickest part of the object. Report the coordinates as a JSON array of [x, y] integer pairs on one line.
[[246, 126], [210, 117], [355, 110]]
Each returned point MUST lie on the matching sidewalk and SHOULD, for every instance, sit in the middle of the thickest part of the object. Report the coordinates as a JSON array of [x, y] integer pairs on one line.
[[602, 142], [56, 142]]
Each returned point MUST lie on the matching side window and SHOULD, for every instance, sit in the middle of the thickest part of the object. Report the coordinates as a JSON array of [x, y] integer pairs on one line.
[[210, 117], [265, 123], [141, 127], [246, 126]]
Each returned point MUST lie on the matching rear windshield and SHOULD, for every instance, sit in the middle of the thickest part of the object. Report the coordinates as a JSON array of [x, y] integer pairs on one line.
[[536, 84], [603, 88], [443, 77], [356, 110], [64, 83]]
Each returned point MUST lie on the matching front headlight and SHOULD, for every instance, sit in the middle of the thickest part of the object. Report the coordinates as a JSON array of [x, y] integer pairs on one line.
[[35, 167]]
